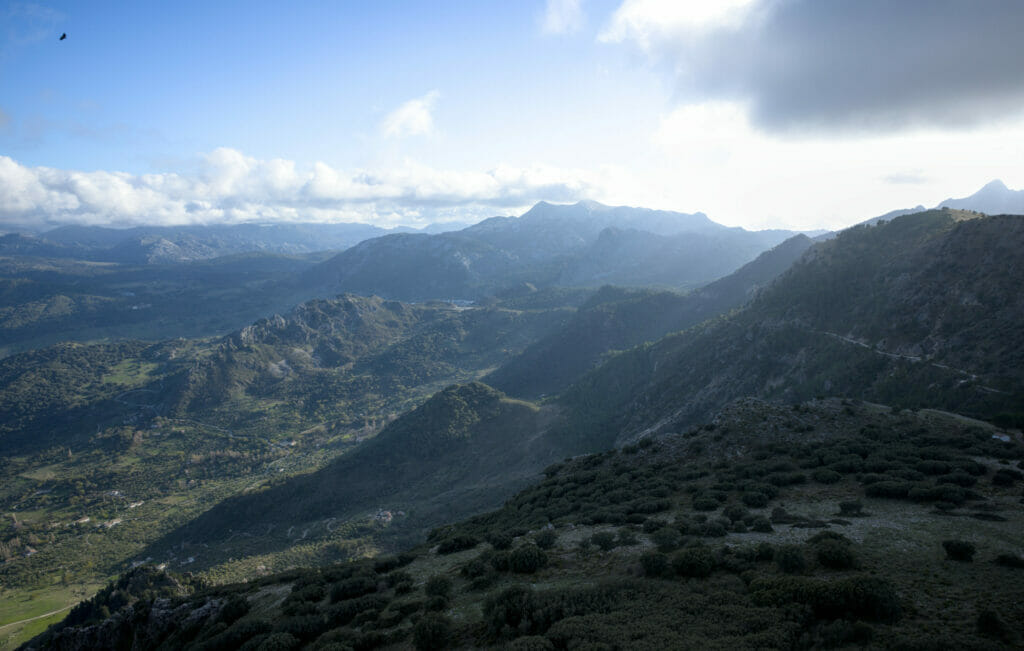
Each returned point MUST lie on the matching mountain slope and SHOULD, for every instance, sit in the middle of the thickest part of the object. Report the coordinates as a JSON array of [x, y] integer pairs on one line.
[[830, 524], [919, 311], [615, 320], [463, 450]]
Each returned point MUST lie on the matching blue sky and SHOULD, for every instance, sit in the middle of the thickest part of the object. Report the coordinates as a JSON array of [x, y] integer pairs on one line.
[[404, 112]]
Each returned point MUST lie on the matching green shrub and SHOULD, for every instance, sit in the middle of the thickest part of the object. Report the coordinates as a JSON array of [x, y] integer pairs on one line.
[[834, 554], [958, 478], [432, 632], [654, 564], [438, 586], [693, 562], [527, 559], [433, 604], [959, 550], [755, 500], [653, 524], [457, 544], [236, 607], [826, 476], [351, 588], [990, 624], [1010, 560], [714, 529], [344, 612], [545, 538], [735, 512], [500, 540], [858, 597], [851, 508], [761, 524], [790, 559], [889, 489], [933, 467], [765, 552], [604, 540], [302, 627], [1006, 477], [787, 478], [279, 642], [705, 504], [941, 493], [530, 643], [626, 538]]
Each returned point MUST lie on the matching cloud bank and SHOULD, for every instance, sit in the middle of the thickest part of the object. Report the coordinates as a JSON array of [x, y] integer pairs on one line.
[[230, 187], [826, 65]]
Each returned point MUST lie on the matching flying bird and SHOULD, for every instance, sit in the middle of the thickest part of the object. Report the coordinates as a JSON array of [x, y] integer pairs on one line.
[[62, 37]]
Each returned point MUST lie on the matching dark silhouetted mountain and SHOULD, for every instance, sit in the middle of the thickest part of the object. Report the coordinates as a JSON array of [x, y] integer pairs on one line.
[[584, 244]]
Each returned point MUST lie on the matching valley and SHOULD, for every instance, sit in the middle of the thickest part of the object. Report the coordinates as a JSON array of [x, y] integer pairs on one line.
[[292, 451]]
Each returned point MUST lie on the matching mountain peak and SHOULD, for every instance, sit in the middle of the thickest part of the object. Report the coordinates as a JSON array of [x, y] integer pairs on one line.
[[995, 184], [992, 199]]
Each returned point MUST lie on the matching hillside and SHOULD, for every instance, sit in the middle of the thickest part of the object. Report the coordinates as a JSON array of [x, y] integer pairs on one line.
[[615, 320], [44, 301], [916, 312], [831, 524], [464, 450], [105, 448], [580, 245]]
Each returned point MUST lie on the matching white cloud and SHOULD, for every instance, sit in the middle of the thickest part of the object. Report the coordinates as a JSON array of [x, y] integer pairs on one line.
[[562, 17], [232, 187], [713, 158], [413, 118], [648, 22], [837, 67]]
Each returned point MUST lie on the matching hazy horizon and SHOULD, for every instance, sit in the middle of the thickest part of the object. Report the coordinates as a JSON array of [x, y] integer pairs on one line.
[[758, 113]]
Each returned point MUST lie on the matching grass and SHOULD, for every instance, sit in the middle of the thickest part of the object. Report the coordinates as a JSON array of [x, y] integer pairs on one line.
[[131, 372], [20, 608]]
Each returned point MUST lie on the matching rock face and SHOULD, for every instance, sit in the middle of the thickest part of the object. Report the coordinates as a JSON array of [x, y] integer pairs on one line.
[[139, 610]]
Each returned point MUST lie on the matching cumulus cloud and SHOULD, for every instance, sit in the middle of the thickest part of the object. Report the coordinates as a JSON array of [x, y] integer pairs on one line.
[[869, 65], [229, 186], [562, 17], [413, 118]]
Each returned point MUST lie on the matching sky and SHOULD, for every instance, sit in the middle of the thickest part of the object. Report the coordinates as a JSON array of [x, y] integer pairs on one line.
[[796, 114]]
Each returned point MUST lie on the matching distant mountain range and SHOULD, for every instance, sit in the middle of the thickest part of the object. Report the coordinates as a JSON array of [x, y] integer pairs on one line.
[[578, 245], [993, 199], [175, 244]]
